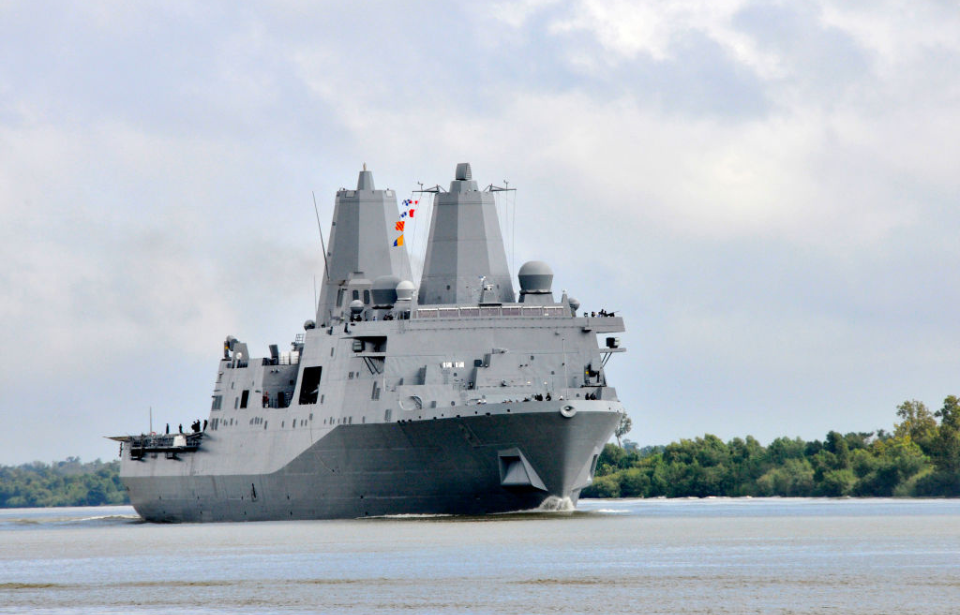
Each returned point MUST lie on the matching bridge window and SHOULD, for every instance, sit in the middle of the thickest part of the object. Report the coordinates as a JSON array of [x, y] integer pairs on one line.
[[244, 397]]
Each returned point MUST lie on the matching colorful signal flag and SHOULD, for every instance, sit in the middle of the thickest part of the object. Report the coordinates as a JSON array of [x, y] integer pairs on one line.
[[400, 225], [398, 241]]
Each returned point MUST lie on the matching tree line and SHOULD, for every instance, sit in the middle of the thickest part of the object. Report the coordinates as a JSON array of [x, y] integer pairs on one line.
[[921, 458], [62, 483]]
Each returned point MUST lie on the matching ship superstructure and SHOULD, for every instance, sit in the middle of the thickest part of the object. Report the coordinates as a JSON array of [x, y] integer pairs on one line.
[[457, 397]]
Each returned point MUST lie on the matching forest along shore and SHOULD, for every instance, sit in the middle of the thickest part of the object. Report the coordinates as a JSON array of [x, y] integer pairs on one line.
[[62, 483], [919, 458]]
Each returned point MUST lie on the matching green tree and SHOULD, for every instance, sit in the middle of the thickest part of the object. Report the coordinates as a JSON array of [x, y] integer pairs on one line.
[[921, 457], [949, 414], [836, 483], [782, 449], [793, 479], [609, 460], [918, 423], [65, 483], [603, 487], [837, 445], [634, 483], [623, 428]]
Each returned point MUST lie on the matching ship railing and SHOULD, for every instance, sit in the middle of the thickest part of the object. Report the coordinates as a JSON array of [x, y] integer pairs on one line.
[[493, 311]]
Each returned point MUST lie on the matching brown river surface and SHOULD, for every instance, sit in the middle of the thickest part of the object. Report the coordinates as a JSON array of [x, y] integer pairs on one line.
[[608, 556]]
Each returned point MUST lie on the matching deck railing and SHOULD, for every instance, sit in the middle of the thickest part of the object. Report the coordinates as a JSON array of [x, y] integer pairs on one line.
[[489, 311]]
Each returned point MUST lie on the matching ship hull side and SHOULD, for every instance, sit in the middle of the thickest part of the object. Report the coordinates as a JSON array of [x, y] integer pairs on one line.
[[444, 466]]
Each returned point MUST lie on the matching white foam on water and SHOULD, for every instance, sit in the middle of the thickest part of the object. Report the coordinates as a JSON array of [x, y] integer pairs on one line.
[[555, 504], [111, 518], [410, 516]]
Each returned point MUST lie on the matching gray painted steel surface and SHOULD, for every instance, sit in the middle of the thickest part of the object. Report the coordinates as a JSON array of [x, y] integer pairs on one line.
[[465, 402], [465, 247]]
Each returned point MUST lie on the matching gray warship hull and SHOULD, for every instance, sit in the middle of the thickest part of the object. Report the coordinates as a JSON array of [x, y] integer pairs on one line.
[[459, 399], [448, 466]]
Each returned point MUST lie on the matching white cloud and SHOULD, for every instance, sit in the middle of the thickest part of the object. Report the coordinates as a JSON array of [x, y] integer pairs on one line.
[[103, 265], [626, 29], [899, 33], [778, 176], [515, 13], [756, 185]]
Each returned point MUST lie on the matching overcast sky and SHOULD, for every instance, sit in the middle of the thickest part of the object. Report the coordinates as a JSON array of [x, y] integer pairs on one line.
[[767, 191]]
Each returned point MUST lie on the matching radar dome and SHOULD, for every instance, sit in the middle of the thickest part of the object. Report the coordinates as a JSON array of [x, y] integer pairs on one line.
[[309, 324], [356, 306], [405, 290], [536, 277], [574, 304], [384, 290]]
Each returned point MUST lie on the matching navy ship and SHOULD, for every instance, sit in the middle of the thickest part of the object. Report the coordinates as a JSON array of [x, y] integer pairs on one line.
[[452, 397]]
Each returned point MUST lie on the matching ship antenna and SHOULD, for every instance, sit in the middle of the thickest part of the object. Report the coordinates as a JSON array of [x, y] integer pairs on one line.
[[513, 229], [326, 269], [419, 250]]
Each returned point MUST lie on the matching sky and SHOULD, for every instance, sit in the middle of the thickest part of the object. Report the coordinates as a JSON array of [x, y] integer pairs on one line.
[[768, 192]]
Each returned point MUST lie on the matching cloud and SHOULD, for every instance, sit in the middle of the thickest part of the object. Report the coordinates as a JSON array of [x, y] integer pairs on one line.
[[767, 190], [898, 34], [626, 30], [104, 264]]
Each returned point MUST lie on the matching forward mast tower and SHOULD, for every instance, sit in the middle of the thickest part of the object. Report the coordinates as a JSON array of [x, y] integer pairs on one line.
[[361, 247]]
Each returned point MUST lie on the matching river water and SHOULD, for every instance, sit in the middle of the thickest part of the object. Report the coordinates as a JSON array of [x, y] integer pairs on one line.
[[609, 556]]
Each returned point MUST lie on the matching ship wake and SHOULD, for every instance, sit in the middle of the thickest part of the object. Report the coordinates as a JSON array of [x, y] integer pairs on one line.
[[556, 504]]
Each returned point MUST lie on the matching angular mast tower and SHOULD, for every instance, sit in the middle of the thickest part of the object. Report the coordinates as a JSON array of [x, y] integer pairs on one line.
[[361, 247], [465, 250]]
